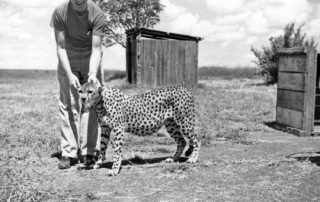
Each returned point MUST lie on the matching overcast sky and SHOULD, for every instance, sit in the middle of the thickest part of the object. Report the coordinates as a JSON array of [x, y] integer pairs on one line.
[[229, 29]]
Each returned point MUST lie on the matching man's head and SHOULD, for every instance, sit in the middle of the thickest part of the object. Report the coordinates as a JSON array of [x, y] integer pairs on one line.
[[79, 5]]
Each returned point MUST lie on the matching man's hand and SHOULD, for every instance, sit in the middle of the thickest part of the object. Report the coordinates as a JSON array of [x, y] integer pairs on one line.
[[74, 81], [92, 79]]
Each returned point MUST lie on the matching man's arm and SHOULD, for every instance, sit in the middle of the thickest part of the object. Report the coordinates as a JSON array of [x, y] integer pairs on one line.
[[95, 58], [63, 58]]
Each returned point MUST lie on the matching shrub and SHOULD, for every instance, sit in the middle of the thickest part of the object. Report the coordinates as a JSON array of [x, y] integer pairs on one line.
[[267, 58]]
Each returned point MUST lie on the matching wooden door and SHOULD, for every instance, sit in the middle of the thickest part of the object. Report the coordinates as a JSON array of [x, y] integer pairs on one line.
[[296, 89]]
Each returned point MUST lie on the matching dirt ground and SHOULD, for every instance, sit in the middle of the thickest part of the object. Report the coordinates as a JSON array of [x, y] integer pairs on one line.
[[271, 166], [245, 162]]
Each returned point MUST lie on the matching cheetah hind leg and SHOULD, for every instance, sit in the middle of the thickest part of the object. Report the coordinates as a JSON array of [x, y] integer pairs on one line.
[[189, 151], [175, 133], [181, 143], [193, 150]]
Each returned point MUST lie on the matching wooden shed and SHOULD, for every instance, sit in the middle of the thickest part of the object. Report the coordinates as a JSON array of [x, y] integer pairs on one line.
[[157, 58], [298, 95]]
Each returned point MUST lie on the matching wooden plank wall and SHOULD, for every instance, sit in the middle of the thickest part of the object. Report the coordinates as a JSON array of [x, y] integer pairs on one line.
[[291, 90], [168, 62], [192, 63], [289, 117], [317, 101]]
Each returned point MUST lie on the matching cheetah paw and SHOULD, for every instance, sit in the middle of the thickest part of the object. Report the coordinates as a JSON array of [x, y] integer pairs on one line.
[[169, 160], [96, 166], [112, 173]]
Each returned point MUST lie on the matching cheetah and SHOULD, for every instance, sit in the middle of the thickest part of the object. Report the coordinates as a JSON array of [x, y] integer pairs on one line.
[[142, 115]]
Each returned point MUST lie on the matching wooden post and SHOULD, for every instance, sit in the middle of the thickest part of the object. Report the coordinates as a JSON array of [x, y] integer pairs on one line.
[[310, 91], [128, 60]]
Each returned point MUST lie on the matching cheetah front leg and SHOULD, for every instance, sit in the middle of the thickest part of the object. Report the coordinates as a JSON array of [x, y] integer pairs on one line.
[[118, 134], [105, 137]]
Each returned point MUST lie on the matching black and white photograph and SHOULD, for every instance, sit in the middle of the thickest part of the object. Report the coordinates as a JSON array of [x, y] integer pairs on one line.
[[159, 100]]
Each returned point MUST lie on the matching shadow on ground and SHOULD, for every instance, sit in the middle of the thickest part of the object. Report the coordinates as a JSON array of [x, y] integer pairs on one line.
[[280, 127], [132, 161], [271, 124], [313, 157], [141, 161]]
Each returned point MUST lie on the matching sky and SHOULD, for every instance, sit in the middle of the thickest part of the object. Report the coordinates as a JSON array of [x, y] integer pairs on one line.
[[229, 29]]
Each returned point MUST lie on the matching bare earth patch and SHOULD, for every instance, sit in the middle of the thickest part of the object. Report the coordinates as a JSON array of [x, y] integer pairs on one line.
[[276, 167]]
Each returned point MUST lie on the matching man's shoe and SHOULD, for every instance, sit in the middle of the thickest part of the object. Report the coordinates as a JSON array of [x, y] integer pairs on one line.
[[73, 161], [64, 163], [89, 160]]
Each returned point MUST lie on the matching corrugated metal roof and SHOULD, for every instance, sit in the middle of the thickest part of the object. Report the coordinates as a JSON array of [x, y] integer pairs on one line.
[[149, 33]]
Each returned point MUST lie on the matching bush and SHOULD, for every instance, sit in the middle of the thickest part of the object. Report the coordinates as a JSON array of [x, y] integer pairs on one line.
[[267, 58]]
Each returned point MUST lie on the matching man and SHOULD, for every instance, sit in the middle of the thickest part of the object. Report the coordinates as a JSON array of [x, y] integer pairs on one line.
[[78, 27]]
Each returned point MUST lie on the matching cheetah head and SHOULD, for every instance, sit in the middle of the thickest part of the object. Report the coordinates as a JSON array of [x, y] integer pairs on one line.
[[89, 94]]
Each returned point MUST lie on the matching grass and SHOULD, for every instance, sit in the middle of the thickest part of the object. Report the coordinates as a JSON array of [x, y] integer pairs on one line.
[[28, 133], [230, 109], [26, 74], [29, 130]]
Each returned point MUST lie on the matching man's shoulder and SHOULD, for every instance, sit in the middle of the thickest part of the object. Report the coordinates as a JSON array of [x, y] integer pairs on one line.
[[59, 15]]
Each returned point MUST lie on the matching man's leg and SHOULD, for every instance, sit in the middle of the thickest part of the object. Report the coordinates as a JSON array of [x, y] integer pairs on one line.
[[69, 114]]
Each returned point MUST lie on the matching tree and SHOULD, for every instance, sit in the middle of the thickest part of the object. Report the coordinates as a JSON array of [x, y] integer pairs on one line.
[[123, 15], [267, 58]]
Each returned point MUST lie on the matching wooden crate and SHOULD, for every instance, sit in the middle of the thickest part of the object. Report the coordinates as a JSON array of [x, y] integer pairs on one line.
[[156, 58], [297, 104]]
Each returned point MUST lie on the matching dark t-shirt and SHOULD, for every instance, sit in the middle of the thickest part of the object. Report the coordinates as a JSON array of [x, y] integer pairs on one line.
[[78, 26]]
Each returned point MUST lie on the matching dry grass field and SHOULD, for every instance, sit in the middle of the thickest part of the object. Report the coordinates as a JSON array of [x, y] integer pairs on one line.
[[242, 159]]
